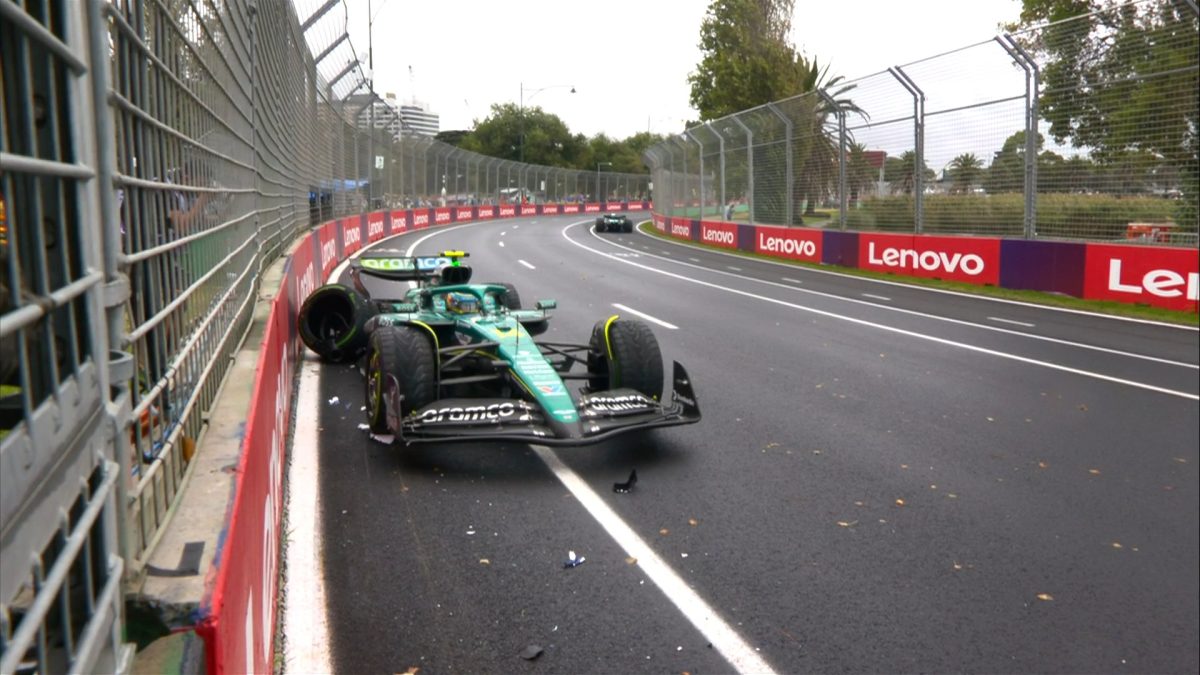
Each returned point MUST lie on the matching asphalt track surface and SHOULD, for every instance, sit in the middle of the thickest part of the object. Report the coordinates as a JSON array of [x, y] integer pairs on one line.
[[886, 479]]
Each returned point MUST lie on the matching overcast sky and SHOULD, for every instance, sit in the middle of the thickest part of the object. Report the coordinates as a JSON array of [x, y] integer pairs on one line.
[[627, 59]]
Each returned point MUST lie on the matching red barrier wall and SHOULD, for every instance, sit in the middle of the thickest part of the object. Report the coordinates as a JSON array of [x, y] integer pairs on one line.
[[1164, 277], [786, 242], [970, 259], [718, 234]]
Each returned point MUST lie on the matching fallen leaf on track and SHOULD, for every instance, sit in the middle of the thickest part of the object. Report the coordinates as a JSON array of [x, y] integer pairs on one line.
[[899, 502], [1045, 596], [844, 523]]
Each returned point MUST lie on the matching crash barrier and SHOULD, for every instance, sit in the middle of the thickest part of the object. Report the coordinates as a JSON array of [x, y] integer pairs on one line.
[[237, 615], [1150, 275], [155, 158], [1050, 132]]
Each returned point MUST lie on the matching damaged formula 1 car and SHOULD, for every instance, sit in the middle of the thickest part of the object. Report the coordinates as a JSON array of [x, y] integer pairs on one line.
[[448, 360]]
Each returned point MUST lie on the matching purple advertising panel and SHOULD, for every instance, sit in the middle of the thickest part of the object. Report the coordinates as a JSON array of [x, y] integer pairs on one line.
[[1052, 266]]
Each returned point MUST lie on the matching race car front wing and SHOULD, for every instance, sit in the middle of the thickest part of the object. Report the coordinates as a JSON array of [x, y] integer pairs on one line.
[[598, 416]]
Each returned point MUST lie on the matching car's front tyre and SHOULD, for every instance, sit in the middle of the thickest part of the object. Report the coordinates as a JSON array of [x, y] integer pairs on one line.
[[623, 353], [407, 354]]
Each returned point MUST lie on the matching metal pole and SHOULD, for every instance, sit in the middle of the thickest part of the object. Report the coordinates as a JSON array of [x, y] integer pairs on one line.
[[688, 132], [789, 205], [1032, 76], [918, 143], [749, 169]]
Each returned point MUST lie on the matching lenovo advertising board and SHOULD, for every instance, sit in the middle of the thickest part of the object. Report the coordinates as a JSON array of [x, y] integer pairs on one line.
[[1152, 275], [724, 235], [974, 260], [786, 242]]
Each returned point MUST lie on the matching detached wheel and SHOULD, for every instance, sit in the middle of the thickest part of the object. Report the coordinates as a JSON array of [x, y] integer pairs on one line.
[[407, 354], [623, 353], [332, 322]]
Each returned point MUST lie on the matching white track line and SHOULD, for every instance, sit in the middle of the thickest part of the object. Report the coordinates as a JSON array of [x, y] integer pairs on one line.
[[988, 298], [724, 639], [877, 297], [305, 617], [1015, 323], [892, 329], [893, 308], [787, 279], [647, 317], [527, 264]]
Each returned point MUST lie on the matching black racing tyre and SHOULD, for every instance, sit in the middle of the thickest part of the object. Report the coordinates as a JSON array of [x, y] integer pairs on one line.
[[406, 353], [626, 355], [332, 322], [512, 299], [599, 224]]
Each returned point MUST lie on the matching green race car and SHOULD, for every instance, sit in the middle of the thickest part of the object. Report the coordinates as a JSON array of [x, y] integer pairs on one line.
[[614, 222], [448, 360]]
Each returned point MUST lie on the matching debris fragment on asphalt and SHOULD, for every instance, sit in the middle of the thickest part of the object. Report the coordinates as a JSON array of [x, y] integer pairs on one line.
[[573, 560], [531, 652], [364, 426], [622, 488], [333, 401]]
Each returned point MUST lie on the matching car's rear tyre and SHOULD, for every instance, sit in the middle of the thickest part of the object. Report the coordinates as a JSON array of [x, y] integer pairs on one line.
[[332, 322], [623, 353], [512, 299], [406, 353]]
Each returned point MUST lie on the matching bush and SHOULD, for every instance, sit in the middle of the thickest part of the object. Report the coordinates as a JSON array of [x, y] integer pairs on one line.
[[1065, 216]]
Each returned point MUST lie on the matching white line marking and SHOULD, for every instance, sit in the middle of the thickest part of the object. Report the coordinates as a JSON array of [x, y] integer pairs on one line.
[[1015, 323], [647, 317], [504, 232], [795, 281], [900, 331], [531, 266], [901, 310], [961, 294], [501, 244], [305, 615], [696, 260], [877, 297], [724, 638], [737, 269]]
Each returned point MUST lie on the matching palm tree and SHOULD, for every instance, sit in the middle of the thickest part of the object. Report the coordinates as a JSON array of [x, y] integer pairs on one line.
[[818, 149], [965, 171]]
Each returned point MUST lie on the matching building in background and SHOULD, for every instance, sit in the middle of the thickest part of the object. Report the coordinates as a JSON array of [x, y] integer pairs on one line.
[[419, 119]]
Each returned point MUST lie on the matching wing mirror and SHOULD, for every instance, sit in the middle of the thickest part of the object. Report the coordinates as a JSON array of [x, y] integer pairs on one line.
[[546, 304]]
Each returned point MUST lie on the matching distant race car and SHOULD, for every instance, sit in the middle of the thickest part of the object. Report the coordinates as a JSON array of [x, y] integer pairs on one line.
[[614, 222], [453, 361]]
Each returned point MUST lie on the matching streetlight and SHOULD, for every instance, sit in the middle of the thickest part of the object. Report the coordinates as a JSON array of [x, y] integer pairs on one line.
[[598, 165], [521, 114]]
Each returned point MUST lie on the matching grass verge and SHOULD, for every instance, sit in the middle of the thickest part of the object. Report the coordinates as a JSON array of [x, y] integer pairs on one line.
[[1135, 311]]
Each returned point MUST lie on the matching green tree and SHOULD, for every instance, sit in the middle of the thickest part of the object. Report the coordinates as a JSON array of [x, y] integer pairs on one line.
[[1122, 79], [901, 172], [965, 171], [548, 141], [745, 57]]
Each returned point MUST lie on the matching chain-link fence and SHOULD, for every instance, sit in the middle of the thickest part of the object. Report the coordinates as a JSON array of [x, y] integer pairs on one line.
[[157, 155], [1080, 129]]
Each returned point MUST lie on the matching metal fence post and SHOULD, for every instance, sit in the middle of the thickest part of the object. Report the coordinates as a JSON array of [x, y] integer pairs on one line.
[[749, 168], [1029, 65], [789, 177], [918, 145]]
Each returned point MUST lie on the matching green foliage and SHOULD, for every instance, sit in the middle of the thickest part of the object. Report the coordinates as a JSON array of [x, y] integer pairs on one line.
[[549, 142], [746, 60], [1122, 80], [1059, 215]]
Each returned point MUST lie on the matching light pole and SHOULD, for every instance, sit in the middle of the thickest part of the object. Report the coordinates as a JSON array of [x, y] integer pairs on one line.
[[598, 165], [521, 115]]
